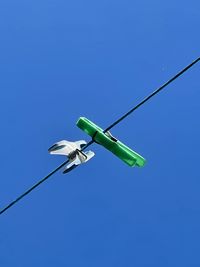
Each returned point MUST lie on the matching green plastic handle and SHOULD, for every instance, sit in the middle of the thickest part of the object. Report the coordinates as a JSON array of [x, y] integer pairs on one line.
[[123, 152]]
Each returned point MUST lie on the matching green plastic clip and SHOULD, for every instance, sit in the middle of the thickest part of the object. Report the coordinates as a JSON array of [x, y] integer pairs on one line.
[[123, 152]]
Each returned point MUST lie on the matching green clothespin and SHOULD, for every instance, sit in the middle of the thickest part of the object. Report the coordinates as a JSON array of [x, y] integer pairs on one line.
[[123, 152]]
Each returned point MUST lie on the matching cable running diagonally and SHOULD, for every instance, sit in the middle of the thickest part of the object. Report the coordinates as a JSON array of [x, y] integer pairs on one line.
[[33, 187], [107, 129], [151, 95]]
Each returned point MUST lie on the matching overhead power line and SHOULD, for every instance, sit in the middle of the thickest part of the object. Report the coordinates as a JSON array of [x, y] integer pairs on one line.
[[107, 129]]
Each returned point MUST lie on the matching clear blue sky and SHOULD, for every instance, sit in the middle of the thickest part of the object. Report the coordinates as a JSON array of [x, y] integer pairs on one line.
[[63, 59]]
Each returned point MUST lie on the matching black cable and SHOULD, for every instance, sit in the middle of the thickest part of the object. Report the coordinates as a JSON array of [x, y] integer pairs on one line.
[[40, 182], [151, 95], [33, 187], [107, 129]]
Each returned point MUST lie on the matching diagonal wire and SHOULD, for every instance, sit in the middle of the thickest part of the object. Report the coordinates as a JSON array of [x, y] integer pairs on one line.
[[107, 129], [40, 182], [33, 187], [152, 94]]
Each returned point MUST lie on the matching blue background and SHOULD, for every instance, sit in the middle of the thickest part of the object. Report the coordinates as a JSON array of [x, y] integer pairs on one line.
[[60, 60]]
